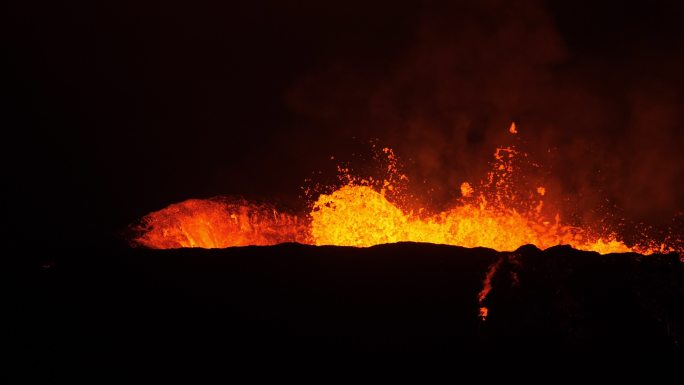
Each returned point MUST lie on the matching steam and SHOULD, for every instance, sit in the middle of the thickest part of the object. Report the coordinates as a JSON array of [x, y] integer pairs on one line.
[[608, 129]]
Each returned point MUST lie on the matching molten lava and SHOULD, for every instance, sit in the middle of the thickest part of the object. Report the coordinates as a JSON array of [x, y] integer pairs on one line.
[[499, 213], [360, 216], [219, 223]]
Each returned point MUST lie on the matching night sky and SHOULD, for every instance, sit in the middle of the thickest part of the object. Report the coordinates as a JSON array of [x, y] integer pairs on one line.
[[121, 108]]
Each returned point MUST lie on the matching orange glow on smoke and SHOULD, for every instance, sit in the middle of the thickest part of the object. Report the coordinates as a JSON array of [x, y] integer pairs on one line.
[[361, 213]]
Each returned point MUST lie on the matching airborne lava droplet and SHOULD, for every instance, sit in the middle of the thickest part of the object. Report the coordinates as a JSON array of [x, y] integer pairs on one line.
[[466, 189], [512, 129]]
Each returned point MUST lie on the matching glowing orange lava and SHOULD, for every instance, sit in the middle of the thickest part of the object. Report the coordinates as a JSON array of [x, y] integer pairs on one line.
[[361, 216], [493, 214], [218, 223], [512, 129]]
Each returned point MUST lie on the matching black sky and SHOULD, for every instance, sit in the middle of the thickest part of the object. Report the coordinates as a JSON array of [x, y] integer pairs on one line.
[[120, 108]]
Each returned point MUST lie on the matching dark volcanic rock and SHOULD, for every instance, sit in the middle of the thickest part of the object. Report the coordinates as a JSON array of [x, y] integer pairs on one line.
[[295, 299], [564, 298]]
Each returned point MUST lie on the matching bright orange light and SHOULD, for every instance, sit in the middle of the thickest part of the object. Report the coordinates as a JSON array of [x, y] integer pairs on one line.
[[483, 313], [466, 190], [360, 216], [366, 212], [219, 223], [512, 129]]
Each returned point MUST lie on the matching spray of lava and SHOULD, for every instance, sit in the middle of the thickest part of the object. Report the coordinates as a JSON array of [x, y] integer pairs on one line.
[[496, 213]]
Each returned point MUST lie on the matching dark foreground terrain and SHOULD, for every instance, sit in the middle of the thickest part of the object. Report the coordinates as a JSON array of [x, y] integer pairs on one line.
[[108, 309]]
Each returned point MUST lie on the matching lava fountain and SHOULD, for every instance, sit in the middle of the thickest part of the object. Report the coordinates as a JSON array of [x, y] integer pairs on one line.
[[497, 213]]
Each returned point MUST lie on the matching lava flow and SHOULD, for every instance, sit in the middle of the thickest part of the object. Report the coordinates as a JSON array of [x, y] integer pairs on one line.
[[497, 213], [219, 223]]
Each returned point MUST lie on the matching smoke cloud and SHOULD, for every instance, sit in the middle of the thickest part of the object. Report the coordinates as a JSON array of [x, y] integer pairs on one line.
[[606, 124]]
